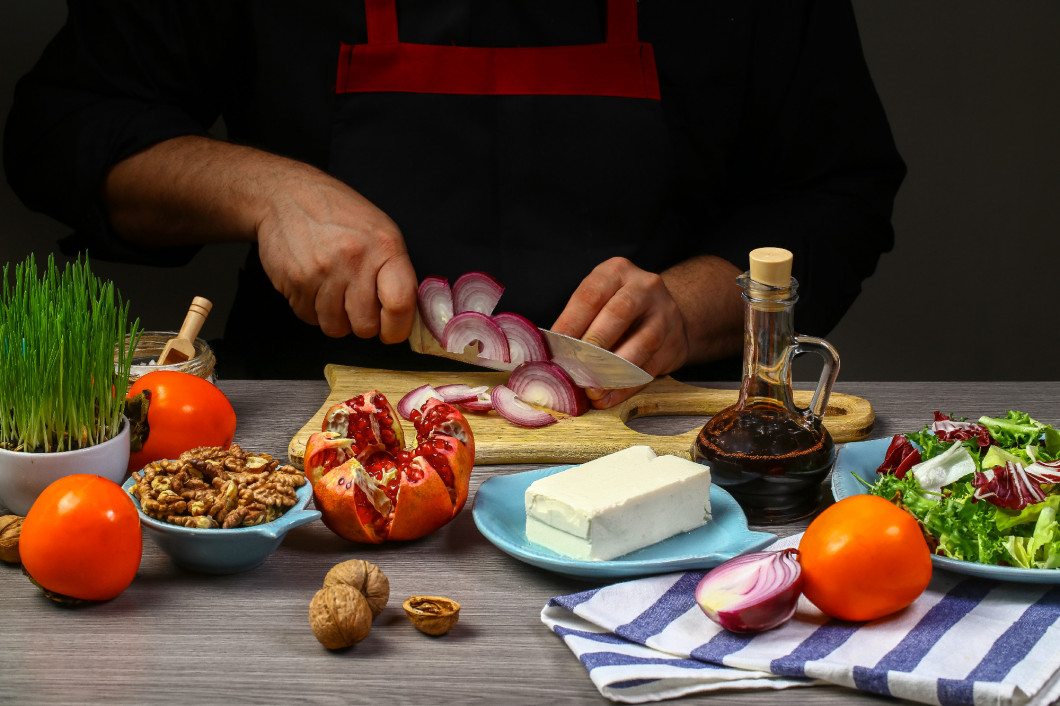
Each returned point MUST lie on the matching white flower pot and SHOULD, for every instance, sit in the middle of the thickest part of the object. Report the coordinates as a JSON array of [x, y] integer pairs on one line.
[[24, 475]]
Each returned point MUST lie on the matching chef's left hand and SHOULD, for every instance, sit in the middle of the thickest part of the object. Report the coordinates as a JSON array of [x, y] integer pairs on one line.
[[628, 311]]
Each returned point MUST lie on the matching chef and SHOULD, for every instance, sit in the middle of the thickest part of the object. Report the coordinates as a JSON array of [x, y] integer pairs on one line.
[[610, 162]]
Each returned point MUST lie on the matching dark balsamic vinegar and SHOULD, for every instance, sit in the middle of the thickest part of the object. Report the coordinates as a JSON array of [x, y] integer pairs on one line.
[[771, 461]]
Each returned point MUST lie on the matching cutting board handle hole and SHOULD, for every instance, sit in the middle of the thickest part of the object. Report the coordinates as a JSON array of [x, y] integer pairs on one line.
[[666, 425]]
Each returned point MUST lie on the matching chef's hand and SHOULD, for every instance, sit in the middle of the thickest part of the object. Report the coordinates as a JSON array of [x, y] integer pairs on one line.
[[340, 261], [690, 313], [630, 312]]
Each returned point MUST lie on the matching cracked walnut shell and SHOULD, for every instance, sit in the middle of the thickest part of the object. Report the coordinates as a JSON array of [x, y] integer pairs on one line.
[[364, 576], [340, 616], [434, 615]]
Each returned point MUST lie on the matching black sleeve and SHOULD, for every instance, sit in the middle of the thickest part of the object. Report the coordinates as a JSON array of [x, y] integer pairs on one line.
[[818, 168], [120, 76]]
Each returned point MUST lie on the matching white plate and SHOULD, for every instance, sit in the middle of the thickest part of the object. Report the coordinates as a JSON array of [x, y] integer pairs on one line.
[[862, 458], [500, 515]]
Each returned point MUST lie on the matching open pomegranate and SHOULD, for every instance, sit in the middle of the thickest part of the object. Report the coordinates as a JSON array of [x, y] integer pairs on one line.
[[369, 488]]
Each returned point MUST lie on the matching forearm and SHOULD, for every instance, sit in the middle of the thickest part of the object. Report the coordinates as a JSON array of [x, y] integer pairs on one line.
[[194, 190], [708, 297]]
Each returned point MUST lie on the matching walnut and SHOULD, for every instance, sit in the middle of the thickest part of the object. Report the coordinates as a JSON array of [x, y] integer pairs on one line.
[[366, 577], [10, 530], [339, 616], [211, 486], [434, 615]]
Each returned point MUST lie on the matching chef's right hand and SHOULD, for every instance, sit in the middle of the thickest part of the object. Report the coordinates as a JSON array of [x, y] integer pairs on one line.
[[340, 261]]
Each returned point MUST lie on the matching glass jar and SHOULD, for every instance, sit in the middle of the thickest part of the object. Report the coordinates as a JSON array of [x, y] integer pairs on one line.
[[150, 347]]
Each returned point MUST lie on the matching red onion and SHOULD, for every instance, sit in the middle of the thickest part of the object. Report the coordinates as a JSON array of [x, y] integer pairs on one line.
[[416, 399], [525, 341], [509, 406], [458, 393], [476, 291], [545, 384], [482, 403], [469, 327], [436, 304], [753, 592]]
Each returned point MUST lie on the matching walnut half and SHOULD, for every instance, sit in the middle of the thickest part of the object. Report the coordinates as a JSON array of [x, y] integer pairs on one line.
[[434, 615]]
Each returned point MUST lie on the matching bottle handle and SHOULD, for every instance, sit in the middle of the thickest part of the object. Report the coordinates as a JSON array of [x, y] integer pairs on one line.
[[829, 373]]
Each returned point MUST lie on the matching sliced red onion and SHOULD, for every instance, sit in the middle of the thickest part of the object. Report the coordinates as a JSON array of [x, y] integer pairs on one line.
[[469, 327], [525, 341], [415, 400], [482, 403], [753, 592], [457, 393], [545, 384], [508, 405], [476, 291], [436, 304]]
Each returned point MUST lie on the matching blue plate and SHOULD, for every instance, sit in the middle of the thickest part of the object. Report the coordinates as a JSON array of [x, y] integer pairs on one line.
[[862, 458], [500, 515]]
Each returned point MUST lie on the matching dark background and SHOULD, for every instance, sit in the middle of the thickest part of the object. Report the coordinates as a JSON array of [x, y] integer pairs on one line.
[[971, 289]]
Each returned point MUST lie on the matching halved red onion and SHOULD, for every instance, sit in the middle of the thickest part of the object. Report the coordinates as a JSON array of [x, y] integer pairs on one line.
[[458, 392], [508, 405], [525, 341], [476, 291], [753, 592], [415, 399], [435, 301], [482, 403], [545, 384], [469, 327]]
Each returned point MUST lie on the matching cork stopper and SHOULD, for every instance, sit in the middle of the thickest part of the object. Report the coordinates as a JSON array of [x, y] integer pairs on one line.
[[771, 266]]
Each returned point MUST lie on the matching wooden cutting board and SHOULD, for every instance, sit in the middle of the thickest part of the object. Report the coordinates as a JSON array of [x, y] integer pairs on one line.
[[573, 439]]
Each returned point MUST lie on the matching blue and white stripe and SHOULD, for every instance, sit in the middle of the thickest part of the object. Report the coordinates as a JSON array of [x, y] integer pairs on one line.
[[966, 640]]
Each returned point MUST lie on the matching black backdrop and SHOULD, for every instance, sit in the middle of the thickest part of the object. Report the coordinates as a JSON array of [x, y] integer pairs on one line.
[[970, 290]]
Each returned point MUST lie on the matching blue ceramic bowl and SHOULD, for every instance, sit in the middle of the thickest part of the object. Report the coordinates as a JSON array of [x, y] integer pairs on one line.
[[225, 551]]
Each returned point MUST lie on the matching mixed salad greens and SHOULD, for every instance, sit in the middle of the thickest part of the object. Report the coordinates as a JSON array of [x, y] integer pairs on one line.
[[983, 491]]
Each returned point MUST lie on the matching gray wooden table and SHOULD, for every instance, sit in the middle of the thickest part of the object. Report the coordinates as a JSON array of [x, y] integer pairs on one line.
[[179, 637]]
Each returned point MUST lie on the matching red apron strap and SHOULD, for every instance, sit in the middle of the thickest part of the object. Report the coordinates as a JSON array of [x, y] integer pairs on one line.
[[622, 21], [381, 16], [621, 67]]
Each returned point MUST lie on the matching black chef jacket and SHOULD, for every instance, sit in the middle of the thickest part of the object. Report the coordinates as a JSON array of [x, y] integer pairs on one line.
[[774, 132]]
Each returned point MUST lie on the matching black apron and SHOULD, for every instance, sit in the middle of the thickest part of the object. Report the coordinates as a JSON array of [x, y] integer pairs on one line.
[[533, 164]]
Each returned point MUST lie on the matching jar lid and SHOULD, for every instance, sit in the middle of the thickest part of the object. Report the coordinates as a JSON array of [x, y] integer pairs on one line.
[[771, 266]]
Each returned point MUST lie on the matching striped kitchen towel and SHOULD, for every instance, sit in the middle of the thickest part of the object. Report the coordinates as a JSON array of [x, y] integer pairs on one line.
[[966, 640]]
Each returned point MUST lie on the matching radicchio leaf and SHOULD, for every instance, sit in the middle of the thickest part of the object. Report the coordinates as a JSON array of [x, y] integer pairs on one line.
[[900, 457], [947, 429], [1009, 486]]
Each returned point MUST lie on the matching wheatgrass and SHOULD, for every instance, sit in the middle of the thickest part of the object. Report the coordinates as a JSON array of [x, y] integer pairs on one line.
[[65, 358]]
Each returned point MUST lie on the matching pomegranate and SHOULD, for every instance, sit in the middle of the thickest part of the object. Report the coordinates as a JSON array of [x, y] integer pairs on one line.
[[369, 488]]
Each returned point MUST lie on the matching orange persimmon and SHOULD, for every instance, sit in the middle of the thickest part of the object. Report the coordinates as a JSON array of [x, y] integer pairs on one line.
[[863, 558]]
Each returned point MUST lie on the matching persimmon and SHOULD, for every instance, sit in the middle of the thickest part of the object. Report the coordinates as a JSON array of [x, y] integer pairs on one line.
[[864, 558], [81, 538], [173, 411]]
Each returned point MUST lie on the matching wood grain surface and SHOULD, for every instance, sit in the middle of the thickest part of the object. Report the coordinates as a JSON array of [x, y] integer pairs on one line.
[[174, 635], [573, 439]]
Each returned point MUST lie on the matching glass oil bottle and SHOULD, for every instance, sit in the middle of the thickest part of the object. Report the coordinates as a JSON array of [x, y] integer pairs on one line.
[[770, 455]]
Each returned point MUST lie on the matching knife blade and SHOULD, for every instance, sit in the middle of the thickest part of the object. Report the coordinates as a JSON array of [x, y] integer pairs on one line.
[[587, 365]]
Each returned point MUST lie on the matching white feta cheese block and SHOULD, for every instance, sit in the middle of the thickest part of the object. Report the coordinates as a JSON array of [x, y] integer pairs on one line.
[[616, 504]]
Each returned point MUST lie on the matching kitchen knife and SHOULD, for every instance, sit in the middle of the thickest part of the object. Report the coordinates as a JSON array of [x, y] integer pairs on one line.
[[587, 365]]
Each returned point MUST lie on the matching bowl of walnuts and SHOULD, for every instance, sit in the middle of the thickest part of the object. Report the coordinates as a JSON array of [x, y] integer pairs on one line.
[[220, 510]]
